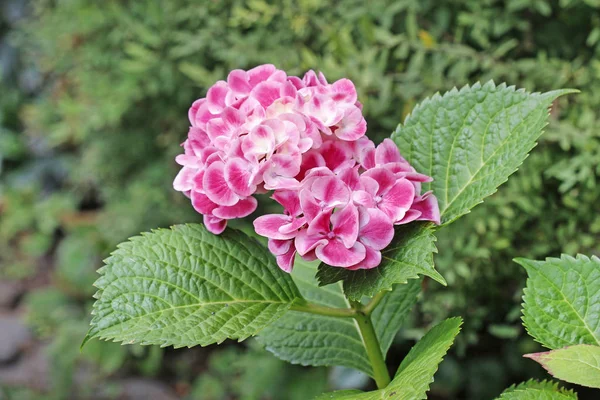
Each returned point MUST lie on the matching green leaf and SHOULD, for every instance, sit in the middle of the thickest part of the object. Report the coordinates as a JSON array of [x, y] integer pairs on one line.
[[185, 286], [391, 312], [534, 390], [578, 364], [416, 370], [410, 254], [309, 339], [562, 300], [471, 140]]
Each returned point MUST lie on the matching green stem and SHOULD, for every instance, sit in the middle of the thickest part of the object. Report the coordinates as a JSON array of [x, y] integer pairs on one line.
[[369, 337], [313, 308], [371, 305], [362, 316]]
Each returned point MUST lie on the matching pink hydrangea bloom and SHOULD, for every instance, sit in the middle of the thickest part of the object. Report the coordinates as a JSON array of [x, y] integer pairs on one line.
[[304, 139]]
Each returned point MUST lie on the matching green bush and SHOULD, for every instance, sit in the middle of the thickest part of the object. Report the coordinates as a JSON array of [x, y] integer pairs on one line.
[[88, 160]]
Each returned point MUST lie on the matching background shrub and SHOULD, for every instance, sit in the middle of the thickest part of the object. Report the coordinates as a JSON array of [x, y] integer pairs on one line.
[[93, 108]]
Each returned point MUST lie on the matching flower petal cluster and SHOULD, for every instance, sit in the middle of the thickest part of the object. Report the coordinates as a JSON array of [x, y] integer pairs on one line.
[[304, 139]]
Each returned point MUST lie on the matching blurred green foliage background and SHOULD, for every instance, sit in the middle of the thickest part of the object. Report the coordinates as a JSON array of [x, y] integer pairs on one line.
[[93, 107]]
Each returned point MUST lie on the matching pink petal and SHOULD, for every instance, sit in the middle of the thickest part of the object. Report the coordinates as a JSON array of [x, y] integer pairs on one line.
[[363, 198], [217, 127], [367, 159], [238, 81], [268, 226], [241, 209], [345, 224], [350, 177], [410, 216], [310, 78], [383, 177], [309, 205], [305, 243], [337, 155], [398, 199], [266, 92], [286, 261], [280, 247], [378, 232], [334, 253], [372, 259], [344, 91], [293, 226], [260, 73], [428, 206], [216, 186], [277, 182], [194, 110], [214, 225], [239, 176], [387, 152], [202, 203], [287, 164], [184, 180], [369, 185], [290, 201], [233, 117], [197, 139], [320, 225], [310, 160], [331, 191], [215, 97], [288, 90], [352, 126], [310, 256]]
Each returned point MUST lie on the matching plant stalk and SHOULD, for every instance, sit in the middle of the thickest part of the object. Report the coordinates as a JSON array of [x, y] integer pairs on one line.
[[362, 316], [369, 337], [306, 306]]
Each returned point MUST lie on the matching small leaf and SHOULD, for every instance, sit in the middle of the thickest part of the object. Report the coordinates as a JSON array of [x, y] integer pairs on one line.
[[308, 339], [562, 300], [471, 140], [535, 390], [410, 254], [185, 286], [578, 364], [417, 369]]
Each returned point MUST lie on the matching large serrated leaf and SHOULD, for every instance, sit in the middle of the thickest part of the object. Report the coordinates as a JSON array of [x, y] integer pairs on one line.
[[471, 140], [562, 300], [535, 390], [410, 255], [416, 371], [578, 364], [185, 286], [318, 340]]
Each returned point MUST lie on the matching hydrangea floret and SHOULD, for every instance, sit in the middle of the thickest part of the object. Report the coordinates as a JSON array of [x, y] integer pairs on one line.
[[303, 139]]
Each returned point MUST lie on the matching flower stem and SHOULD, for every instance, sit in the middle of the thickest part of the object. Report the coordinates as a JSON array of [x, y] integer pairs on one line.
[[362, 316], [306, 306], [369, 337]]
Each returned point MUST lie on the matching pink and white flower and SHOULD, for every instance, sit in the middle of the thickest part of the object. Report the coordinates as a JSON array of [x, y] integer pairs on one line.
[[304, 139]]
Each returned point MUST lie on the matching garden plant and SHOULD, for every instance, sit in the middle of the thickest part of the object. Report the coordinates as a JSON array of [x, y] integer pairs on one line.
[[330, 279]]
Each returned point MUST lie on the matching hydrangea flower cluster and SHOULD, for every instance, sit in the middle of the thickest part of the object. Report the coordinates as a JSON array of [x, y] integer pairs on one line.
[[303, 139]]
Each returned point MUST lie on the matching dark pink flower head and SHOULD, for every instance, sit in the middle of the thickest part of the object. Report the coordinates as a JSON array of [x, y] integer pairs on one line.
[[304, 139]]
